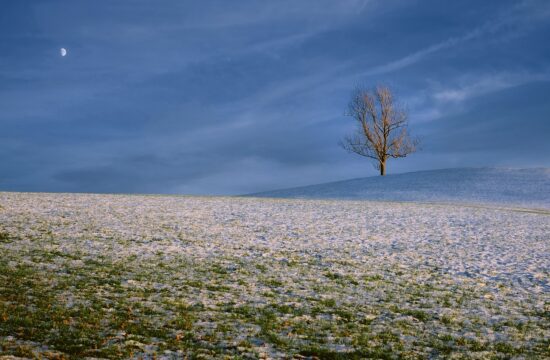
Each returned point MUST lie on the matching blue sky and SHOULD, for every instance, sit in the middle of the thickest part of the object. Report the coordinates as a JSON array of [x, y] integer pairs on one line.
[[229, 97]]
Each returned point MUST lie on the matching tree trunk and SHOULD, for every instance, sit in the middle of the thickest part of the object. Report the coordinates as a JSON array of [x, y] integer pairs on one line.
[[382, 168]]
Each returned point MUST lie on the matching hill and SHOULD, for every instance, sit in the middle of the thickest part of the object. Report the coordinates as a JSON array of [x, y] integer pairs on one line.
[[518, 187]]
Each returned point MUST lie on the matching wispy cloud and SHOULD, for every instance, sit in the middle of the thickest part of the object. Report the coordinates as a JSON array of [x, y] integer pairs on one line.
[[509, 21], [442, 100], [474, 86], [250, 13]]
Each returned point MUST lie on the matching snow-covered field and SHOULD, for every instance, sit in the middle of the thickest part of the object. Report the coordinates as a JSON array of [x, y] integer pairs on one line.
[[517, 187], [111, 276]]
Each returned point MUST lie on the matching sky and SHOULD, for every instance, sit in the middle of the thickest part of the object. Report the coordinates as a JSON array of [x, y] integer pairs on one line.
[[234, 97]]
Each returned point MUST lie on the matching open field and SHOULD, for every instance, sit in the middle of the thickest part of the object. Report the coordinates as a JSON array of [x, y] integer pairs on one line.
[[112, 276]]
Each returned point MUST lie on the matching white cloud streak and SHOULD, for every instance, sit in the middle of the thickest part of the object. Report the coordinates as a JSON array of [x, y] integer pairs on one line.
[[488, 84], [522, 14]]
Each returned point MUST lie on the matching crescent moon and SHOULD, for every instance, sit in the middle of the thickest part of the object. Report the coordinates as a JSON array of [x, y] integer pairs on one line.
[[63, 52]]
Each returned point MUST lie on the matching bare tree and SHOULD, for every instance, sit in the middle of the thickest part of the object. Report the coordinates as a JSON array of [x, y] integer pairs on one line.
[[382, 127]]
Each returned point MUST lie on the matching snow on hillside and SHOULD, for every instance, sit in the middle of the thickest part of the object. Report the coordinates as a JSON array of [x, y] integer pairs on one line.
[[173, 277], [518, 187]]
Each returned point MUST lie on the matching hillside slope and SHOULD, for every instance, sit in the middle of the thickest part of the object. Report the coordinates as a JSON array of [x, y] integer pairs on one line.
[[518, 187]]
